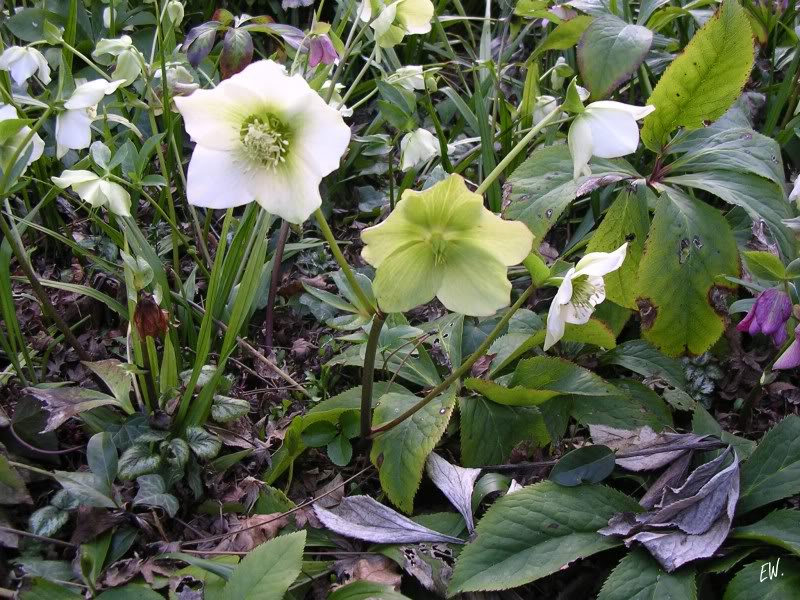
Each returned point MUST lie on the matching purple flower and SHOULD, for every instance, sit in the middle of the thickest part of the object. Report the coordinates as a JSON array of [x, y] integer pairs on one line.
[[321, 50], [791, 358], [769, 315]]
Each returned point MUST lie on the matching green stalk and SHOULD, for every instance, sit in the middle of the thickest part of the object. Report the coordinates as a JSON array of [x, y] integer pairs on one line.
[[369, 375], [463, 369], [503, 164]]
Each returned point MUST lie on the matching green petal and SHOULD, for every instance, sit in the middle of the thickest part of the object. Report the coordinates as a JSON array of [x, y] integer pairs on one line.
[[407, 278], [508, 241], [447, 206], [415, 15], [388, 237], [475, 283]]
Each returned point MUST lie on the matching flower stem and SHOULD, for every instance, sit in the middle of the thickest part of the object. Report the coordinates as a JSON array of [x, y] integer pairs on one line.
[[368, 377], [463, 369], [343, 264], [503, 164], [277, 259]]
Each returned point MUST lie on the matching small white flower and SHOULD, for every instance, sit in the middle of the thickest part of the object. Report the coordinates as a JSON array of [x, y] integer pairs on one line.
[[74, 125], [396, 20], [543, 106], [336, 98], [175, 11], [409, 77], [129, 60], [9, 146], [96, 191], [605, 129], [418, 147], [795, 193], [23, 63], [580, 291], [265, 136]]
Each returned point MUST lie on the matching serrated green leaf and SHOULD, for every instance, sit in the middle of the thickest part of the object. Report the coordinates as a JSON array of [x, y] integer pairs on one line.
[[400, 453], [516, 396], [590, 464], [225, 409], [543, 186], [318, 434], [267, 572], [138, 460], [779, 528], [690, 243], [754, 581], [639, 577], [609, 52], [703, 82], [153, 492], [204, 444], [132, 591], [773, 471], [764, 265], [340, 451], [561, 376], [366, 590], [635, 405], [48, 520], [628, 220], [537, 531], [642, 358]]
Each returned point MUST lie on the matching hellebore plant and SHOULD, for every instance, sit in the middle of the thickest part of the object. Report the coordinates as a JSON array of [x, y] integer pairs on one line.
[[96, 191], [396, 20], [443, 242], [74, 125], [769, 315], [790, 359], [23, 62], [130, 61], [10, 146], [417, 148], [262, 135], [581, 289]]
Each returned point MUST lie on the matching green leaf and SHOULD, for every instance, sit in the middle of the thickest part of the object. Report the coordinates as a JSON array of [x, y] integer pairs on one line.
[[639, 577], [48, 520], [702, 83], [773, 471], [535, 532], [225, 409], [178, 453], [203, 444], [489, 431], [63, 403], [101, 454], [401, 452], [340, 451], [366, 590], [690, 243], [84, 487], [704, 424], [561, 376], [318, 434], [564, 36], [590, 464], [759, 197], [132, 591], [516, 396], [627, 220], [542, 187], [41, 589], [764, 265], [153, 492], [9, 476], [640, 357], [610, 51], [754, 581], [138, 460], [635, 405], [267, 572], [779, 528]]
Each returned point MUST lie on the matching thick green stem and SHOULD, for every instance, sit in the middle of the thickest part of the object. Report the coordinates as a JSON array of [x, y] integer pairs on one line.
[[369, 375], [503, 164], [463, 369], [342, 262]]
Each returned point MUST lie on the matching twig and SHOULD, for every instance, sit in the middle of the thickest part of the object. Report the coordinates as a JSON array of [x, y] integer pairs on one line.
[[41, 450], [40, 538]]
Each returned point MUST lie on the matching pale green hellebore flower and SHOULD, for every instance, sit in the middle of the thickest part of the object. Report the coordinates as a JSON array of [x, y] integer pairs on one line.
[[396, 20], [23, 62], [129, 60], [409, 78], [581, 289], [604, 129], [443, 242], [96, 191]]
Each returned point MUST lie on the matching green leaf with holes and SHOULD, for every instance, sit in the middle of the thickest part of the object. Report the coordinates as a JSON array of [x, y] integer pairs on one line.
[[703, 82], [680, 301], [401, 452]]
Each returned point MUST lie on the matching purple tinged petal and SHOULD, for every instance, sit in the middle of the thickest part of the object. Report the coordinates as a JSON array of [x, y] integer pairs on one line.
[[773, 309], [329, 52], [744, 324], [315, 53], [789, 359], [779, 337]]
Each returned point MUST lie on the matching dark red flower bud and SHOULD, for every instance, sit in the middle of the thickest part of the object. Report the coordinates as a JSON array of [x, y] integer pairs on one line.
[[149, 318]]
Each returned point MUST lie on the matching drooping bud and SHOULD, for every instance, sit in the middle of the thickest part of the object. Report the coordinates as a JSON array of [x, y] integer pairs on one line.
[[149, 318], [769, 314]]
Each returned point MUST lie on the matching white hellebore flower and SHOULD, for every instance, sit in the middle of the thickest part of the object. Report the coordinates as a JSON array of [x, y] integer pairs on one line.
[[265, 136], [10, 145], [605, 129], [96, 191], [795, 193], [74, 125], [336, 98], [410, 78], [129, 60], [418, 147], [24, 62], [580, 291], [397, 19]]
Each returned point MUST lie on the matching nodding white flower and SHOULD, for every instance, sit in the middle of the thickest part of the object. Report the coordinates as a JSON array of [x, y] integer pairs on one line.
[[543, 106], [336, 98], [180, 82], [10, 145], [265, 136], [130, 60], [410, 78], [396, 20], [74, 125], [580, 291], [96, 191], [795, 193], [417, 148], [604, 129], [23, 62], [175, 11]]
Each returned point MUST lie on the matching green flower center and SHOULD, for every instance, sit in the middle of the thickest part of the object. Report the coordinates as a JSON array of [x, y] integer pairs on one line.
[[582, 291], [438, 244], [264, 140]]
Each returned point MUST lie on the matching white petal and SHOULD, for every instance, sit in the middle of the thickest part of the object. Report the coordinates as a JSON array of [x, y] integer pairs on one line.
[[577, 315], [637, 112], [795, 193], [385, 19], [38, 145], [291, 193], [365, 11], [90, 93], [417, 148], [555, 325], [119, 200], [91, 192], [70, 177], [322, 138], [42, 68], [415, 15], [7, 112], [614, 132], [601, 263], [215, 180], [23, 67], [9, 56], [564, 293], [74, 129], [580, 145]]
